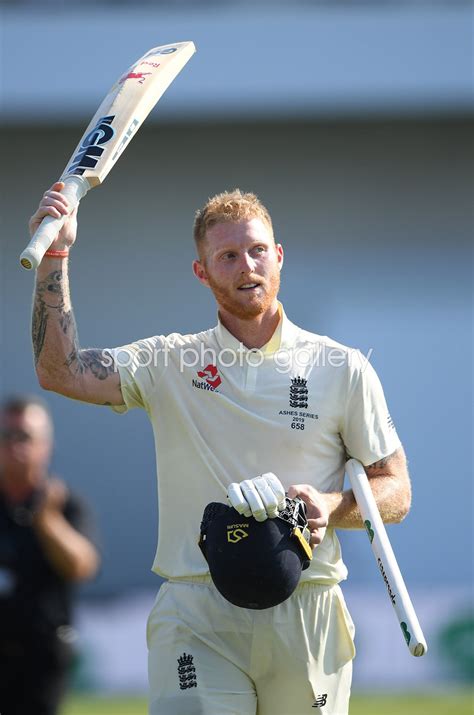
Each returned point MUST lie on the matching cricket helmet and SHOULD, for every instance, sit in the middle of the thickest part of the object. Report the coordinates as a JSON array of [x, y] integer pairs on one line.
[[255, 564]]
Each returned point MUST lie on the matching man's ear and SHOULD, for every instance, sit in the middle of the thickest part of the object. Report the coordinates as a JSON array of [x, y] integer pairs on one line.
[[200, 272], [280, 254]]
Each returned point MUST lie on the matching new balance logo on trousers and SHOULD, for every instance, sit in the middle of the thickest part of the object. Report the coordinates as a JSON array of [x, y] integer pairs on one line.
[[320, 701]]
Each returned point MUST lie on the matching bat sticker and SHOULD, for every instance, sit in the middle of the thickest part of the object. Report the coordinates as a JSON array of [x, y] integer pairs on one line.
[[90, 150], [160, 51], [126, 138], [141, 76]]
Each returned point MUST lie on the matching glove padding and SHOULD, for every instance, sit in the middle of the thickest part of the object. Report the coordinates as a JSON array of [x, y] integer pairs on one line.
[[261, 497]]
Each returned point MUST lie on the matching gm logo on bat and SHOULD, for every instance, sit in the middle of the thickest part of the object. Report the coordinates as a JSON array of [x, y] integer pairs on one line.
[[92, 148], [160, 51]]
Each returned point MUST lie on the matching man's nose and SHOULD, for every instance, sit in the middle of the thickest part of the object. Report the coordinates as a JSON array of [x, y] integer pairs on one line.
[[247, 263]]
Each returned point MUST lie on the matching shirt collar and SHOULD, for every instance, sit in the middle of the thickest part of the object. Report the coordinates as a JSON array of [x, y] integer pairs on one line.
[[282, 338]]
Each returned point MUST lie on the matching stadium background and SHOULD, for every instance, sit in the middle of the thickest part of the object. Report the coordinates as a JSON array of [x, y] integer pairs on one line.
[[353, 122]]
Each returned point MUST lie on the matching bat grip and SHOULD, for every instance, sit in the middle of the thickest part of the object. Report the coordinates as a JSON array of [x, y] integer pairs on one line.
[[75, 188]]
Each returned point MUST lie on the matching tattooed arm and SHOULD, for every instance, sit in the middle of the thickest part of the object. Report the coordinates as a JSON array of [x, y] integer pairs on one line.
[[390, 484], [60, 363]]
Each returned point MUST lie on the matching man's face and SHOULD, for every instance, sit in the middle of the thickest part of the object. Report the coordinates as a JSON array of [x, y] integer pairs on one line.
[[25, 442], [240, 263]]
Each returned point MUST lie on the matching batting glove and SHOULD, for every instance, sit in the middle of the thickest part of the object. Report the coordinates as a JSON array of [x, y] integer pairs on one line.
[[261, 497]]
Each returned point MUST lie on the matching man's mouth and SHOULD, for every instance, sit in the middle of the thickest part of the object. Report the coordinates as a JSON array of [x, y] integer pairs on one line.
[[249, 286]]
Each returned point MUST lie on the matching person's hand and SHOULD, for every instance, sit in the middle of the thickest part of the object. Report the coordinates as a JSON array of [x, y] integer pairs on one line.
[[56, 204], [53, 496], [261, 497], [317, 511]]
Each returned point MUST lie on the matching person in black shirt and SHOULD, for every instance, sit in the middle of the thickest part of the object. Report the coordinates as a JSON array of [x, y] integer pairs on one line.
[[47, 544]]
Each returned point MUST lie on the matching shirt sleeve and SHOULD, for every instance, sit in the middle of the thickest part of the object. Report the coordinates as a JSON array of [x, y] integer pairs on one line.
[[80, 515], [140, 366], [368, 431]]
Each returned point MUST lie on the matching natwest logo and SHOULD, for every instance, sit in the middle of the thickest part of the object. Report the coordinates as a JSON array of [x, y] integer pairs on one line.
[[210, 375]]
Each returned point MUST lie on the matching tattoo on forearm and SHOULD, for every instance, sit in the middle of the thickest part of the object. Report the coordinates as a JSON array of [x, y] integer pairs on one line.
[[50, 297], [66, 320], [46, 289], [38, 328]]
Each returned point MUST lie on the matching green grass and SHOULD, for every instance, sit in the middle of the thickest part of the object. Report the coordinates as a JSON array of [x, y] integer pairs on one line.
[[461, 703], [454, 704], [85, 705]]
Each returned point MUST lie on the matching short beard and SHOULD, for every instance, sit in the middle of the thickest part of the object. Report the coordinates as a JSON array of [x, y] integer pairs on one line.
[[246, 312]]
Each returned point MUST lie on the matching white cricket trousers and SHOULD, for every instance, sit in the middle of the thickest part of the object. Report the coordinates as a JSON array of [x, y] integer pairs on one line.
[[208, 657]]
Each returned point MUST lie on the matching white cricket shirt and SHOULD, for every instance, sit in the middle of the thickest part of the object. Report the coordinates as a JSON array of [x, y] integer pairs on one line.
[[298, 407]]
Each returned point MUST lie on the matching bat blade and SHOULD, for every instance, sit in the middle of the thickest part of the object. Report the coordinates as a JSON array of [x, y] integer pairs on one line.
[[124, 109], [118, 118], [385, 559]]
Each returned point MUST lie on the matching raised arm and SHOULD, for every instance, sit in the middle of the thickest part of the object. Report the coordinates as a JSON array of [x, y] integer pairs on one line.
[[61, 365]]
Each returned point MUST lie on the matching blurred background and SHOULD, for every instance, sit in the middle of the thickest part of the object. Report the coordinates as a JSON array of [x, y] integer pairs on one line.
[[353, 123]]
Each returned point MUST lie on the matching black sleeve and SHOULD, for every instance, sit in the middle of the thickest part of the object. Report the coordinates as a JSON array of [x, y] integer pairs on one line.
[[80, 515]]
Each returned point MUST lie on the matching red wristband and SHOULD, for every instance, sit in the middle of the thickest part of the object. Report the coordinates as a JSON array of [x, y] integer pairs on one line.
[[57, 254]]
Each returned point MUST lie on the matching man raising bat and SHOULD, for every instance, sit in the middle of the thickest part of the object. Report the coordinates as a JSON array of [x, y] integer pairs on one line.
[[269, 398]]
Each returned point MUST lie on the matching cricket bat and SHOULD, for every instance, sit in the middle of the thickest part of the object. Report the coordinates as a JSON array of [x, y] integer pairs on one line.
[[385, 558], [110, 130]]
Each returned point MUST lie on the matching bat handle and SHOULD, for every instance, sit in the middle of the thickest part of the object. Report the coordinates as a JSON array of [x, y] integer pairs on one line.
[[75, 188]]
